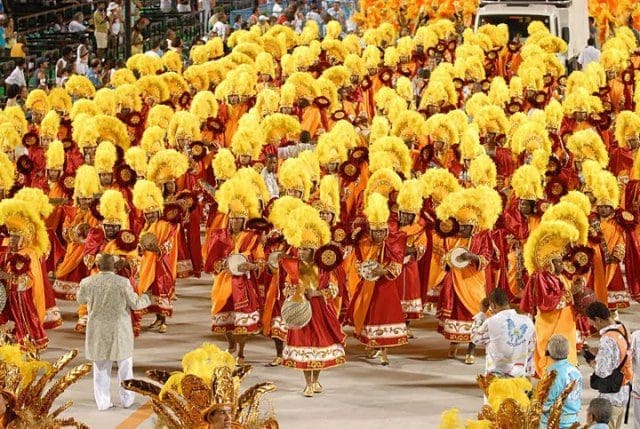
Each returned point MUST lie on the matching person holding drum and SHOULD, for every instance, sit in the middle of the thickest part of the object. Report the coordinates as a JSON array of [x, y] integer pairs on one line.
[[238, 262], [467, 255], [315, 340], [79, 219], [375, 308], [158, 246], [548, 293]]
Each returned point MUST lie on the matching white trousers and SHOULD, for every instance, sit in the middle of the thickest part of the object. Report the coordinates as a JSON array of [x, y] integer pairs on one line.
[[102, 383]]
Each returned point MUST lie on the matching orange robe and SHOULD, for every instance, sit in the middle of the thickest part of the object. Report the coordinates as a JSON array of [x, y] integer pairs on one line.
[[606, 280]]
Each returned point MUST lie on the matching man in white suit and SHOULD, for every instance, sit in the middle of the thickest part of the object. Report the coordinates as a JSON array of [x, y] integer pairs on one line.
[[109, 336]]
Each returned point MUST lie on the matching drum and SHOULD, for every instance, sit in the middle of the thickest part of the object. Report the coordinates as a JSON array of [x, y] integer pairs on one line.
[[454, 257], [234, 261], [296, 313], [274, 259], [3, 296], [147, 240], [366, 270]]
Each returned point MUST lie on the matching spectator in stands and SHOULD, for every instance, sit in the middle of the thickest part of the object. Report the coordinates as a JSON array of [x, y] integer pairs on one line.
[[39, 78], [67, 71], [3, 41], [137, 36], [277, 8], [337, 13], [17, 75], [13, 92], [82, 60], [177, 45], [589, 54], [62, 63], [77, 24], [220, 28], [237, 22], [83, 47], [184, 6], [94, 73], [171, 35], [114, 13], [298, 22], [253, 19], [59, 26], [157, 48], [165, 5], [314, 14], [136, 5], [10, 34], [19, 49], [263, 22], [101, 25]]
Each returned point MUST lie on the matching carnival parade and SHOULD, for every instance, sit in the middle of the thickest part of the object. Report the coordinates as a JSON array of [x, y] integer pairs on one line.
[[338, 190]]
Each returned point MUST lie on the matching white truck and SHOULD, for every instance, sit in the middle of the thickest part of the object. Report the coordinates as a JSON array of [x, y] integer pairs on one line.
[[567, 19]]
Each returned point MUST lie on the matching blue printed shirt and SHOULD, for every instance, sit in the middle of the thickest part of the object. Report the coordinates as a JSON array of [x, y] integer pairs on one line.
[[566, 373]]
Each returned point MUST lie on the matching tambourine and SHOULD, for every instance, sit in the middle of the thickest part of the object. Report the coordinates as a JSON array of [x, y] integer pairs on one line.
[[359, 154], [365, 270], [173, 212], [581, 257], [274, 259], [514, 107], [454, 258], [3, 296], [148, 239], [626, 219], [322, 102], [447, 228], [133, 119], [338, 115], [233, 263], [19, 264], [349, 171]]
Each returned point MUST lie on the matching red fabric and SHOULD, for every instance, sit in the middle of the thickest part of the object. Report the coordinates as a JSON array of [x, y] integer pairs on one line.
[[73, 160], [543, 292], [37, 177]]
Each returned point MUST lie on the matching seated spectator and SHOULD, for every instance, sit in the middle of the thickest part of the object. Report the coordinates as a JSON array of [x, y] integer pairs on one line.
[[93, 74], [137, 36], [77, 24], [13, 92], [184, 6], [67, 71], [17, 75], [599, 414], [82, 63], [3, 40], [59, 26], [277, 8], [19, 49], [253, 19], [39, 78], [165, 5], [63, 62], [157, 48], [566, 373]]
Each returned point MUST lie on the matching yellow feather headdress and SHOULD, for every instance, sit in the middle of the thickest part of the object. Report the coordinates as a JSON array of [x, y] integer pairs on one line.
[[80, 87], [204, 105], [183, 125], [113, 208], [606, 190], [294, 175], [55, 155], [478, 206], [50, 125], [60, 100], [147, 196], [530, 136], [9, 138], [121, 77], [86, 183], [627, 126], [84, 107], [136, 158], [587, 144], [440, 128], [278, 126], [36, 199], [330, 196], [548, 241], [307, 229], [106, 101], [248, 141], [160, 115], [573, 215], [578, 199], [106, 157], [17, 118], [85, 132], [390, 152], [236, 199], [167, 165], [491, 119], [526, 183], [153, 139], [37, 101], [410, 197], [482, 171], [172, 61], [223, 164], [377, 211], [280, 212], [250, 175], [438, 182], [21, 218], [383, 181], [128, 96], [7, 172], [114, 130]]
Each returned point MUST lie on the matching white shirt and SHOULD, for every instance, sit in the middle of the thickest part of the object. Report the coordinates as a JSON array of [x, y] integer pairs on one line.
[[165, 5], [76, 27], [589, 55], [276, 10], [184, 8], [293, 150], [16, 78], [607, 360], [81, 68], [220, 29], [635, 354], [271, 180], [509, 339]]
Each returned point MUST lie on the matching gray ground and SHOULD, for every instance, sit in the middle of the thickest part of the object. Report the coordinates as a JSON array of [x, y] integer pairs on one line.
[[410, 393]]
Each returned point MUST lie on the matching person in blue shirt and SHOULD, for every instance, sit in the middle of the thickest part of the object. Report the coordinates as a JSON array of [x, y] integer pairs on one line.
[[558, 350], [94, 73], [599, 413]]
